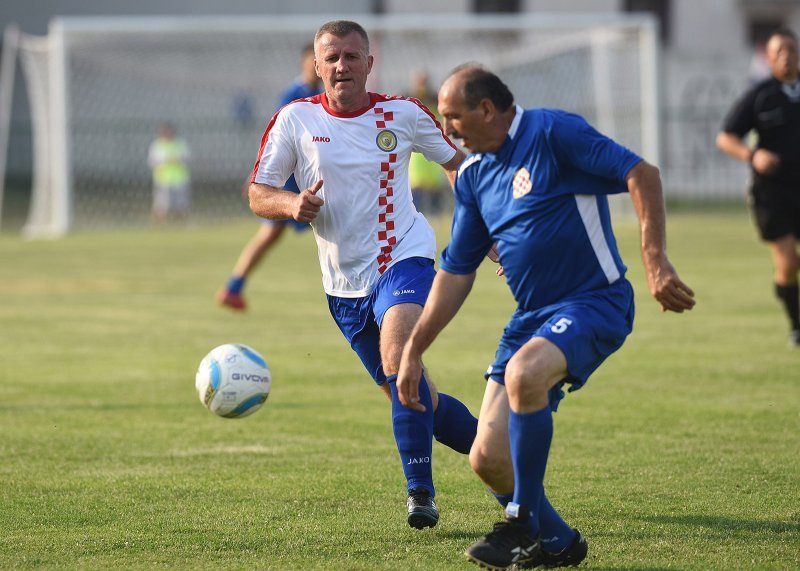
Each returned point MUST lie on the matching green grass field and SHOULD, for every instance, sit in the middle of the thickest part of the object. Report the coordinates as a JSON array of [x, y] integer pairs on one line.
[[682, 452]]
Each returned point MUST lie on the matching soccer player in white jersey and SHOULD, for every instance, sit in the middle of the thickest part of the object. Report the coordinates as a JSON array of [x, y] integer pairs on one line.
[[536, 186], [349, 149]]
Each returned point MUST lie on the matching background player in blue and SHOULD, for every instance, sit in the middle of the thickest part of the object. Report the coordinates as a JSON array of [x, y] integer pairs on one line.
[[270, 231], [536, 186]]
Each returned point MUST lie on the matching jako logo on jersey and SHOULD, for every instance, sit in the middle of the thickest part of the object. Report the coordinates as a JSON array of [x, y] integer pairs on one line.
[[317, 139], [423, 460], [402, 291], [521, 185], [386, 140]]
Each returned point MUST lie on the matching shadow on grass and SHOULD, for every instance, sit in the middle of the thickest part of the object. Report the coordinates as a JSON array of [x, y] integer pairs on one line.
[[727, 523], [460, 535]]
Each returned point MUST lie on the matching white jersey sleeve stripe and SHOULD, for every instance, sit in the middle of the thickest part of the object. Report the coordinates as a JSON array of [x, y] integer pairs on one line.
[[435, 122], [265, 136], [264, 139], [427, 112]]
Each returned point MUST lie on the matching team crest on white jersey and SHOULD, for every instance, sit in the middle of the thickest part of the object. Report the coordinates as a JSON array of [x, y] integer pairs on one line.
[[387, 140], [521, 185]]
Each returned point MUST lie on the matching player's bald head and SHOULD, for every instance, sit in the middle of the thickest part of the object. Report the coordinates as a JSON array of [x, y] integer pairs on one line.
[[475, 84]]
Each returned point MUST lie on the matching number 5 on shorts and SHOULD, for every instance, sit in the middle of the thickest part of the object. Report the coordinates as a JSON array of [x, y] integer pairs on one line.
[[561, 325]]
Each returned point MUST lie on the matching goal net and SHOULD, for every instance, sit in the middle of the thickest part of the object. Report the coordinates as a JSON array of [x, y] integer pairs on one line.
[[99, 88]]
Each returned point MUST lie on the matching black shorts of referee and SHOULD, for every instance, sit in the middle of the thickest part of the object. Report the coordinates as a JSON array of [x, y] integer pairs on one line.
[[776, 207]]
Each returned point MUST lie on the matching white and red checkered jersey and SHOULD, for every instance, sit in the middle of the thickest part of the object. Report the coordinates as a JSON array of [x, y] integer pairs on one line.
[[368, 221]]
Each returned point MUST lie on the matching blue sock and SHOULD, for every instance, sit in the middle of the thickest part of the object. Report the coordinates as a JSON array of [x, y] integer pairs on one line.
[[453, 424], [556, 535], [502, 498], [413, 433], [530, 435], [236, 284]]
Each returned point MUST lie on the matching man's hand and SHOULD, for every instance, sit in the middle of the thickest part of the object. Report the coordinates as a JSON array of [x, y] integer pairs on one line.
[[667, 287], [644, 186], [408, 379], [765, 162], [307, 204]]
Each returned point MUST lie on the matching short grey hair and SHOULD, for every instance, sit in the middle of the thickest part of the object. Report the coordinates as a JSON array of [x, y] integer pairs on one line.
[[341, 29]]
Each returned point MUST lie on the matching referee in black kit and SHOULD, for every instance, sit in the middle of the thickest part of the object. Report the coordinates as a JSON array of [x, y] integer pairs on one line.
[[772, 109]]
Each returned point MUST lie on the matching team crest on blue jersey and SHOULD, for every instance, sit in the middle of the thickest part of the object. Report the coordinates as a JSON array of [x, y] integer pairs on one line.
[[387, 140], [521, 185]]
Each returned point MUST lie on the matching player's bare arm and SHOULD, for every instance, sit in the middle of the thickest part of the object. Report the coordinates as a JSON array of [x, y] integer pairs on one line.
[[444, 300], [764, 161], [277, 204], [451, 167], [644, 186]]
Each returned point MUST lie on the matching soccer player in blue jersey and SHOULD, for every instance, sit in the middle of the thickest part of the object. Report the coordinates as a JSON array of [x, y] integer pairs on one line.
[[270, 231], [535, 187]]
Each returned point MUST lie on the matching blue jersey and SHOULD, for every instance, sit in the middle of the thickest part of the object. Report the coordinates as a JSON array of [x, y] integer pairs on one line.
[[542, 199], [296, 90]]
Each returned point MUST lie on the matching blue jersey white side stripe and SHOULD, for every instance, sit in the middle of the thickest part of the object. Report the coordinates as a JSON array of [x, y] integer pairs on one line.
[[471, 160], [512, 130], [590, 214]]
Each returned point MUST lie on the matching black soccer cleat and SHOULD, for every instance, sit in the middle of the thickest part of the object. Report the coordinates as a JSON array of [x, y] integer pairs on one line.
[[571, 556], [508, 546], [422, 511], [794, 338]]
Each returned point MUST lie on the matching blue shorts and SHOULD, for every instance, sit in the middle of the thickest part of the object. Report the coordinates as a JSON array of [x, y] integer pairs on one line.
[[587, 328], [297, 226], [360, 318]]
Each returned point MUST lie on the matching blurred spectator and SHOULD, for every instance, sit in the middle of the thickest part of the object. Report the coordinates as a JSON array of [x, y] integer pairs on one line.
[[243, 109], [168, 158], [759, 67]]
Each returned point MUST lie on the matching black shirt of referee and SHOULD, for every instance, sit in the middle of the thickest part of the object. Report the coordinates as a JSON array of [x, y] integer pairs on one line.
[[772, 109]]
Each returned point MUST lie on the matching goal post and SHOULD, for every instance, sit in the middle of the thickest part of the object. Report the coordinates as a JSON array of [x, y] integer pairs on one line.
[[8, 70], [45, 69], [100, 86]]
